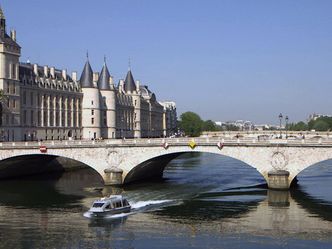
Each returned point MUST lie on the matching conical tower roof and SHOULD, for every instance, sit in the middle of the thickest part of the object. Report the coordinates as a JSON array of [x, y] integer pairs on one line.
[[104, 79], [86, 79], [129, 84]]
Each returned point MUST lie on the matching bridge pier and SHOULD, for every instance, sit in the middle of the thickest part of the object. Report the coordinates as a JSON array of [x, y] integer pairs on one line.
[[278, 180], [278, 198], [113, 176]]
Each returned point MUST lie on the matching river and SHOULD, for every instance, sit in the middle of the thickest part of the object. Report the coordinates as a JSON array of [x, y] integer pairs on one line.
[[204, 201]]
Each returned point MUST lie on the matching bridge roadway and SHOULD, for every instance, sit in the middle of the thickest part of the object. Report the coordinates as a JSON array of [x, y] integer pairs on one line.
[[118, 161]]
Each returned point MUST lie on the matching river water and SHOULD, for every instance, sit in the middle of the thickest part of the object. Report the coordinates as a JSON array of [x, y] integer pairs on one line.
[[204, 201]]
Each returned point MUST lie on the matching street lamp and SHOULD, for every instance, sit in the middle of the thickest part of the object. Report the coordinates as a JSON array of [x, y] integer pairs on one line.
[[280, 118], [286, 119]]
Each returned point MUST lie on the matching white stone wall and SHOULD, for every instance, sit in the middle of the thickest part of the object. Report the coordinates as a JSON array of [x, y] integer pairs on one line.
[[108, 114], [91, 113]]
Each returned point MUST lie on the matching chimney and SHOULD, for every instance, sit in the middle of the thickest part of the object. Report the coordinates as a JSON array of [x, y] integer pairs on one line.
[[46, 71], [95, 79], [74, 76], [13, 35], [35, 69], [52, 72], [121, 84], [111, 81], [95, 76], [64, 74]]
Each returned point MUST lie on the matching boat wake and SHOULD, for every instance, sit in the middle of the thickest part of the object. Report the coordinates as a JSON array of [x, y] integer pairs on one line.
[[149, 204]]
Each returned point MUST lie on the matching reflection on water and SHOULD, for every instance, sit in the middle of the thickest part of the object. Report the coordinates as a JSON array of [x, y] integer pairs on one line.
[[212, 202]]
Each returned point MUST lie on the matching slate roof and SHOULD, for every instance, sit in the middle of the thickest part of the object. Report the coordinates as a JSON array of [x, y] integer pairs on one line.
[[103, 81], [129, 83], [86, 79], [27, 69]]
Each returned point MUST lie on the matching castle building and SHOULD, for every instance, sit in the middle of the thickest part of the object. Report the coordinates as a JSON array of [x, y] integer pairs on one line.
[[45, 103]]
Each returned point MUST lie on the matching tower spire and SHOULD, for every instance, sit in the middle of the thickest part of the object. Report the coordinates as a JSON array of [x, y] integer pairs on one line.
[[104, 79], [86, 79], [129, 64]]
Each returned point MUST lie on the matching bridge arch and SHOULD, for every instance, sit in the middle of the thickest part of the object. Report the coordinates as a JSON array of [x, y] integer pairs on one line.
[[151, 166], [265, 159], [27, 164], [324, 163]]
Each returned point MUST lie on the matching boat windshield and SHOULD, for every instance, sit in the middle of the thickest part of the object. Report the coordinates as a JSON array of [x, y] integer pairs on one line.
[[98, 204]]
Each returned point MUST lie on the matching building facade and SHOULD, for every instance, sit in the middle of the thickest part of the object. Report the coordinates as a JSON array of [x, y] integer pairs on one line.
[[170, 118], [45, 103]]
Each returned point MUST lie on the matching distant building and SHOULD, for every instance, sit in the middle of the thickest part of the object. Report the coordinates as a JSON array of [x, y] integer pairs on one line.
[[170, 118], [314, 116], [219, 123], [240, 124], [262, 127]]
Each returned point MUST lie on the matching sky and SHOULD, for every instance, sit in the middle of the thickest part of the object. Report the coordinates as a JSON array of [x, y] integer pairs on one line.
[[223, 59]]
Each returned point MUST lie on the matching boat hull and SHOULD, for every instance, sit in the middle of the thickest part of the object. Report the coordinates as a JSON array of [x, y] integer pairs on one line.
[[110, 212]]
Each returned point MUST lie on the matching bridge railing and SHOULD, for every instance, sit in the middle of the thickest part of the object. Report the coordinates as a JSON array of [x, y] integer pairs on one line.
[[170, 141]]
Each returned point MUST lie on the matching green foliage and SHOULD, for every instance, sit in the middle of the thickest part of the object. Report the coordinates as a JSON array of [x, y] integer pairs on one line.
[[311, 124], [318, 124], [191, 124], [300, 126], [209, 125], [321, 125]]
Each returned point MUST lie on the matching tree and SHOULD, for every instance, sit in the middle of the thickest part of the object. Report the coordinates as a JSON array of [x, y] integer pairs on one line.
[[209, 125], [321, 125], [191, 124], [300, 126]]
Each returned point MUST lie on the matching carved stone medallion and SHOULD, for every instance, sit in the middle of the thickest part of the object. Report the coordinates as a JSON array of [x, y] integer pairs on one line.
[[278, 161], [113, 159]]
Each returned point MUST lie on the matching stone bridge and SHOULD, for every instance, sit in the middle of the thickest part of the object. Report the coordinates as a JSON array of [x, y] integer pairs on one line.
[[279, 161]]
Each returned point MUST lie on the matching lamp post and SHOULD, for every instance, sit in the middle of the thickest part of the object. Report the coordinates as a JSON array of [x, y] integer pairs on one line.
[[280, 118], [286, 119]]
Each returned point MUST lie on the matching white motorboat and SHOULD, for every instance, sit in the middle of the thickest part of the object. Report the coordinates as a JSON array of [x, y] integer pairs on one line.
[[114, 204]]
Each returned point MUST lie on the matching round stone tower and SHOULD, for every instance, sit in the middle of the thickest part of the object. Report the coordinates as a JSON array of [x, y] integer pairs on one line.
[[108, 104], [90, 105]]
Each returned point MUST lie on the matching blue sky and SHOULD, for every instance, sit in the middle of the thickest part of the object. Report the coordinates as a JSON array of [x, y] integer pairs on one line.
[[223, 59]]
